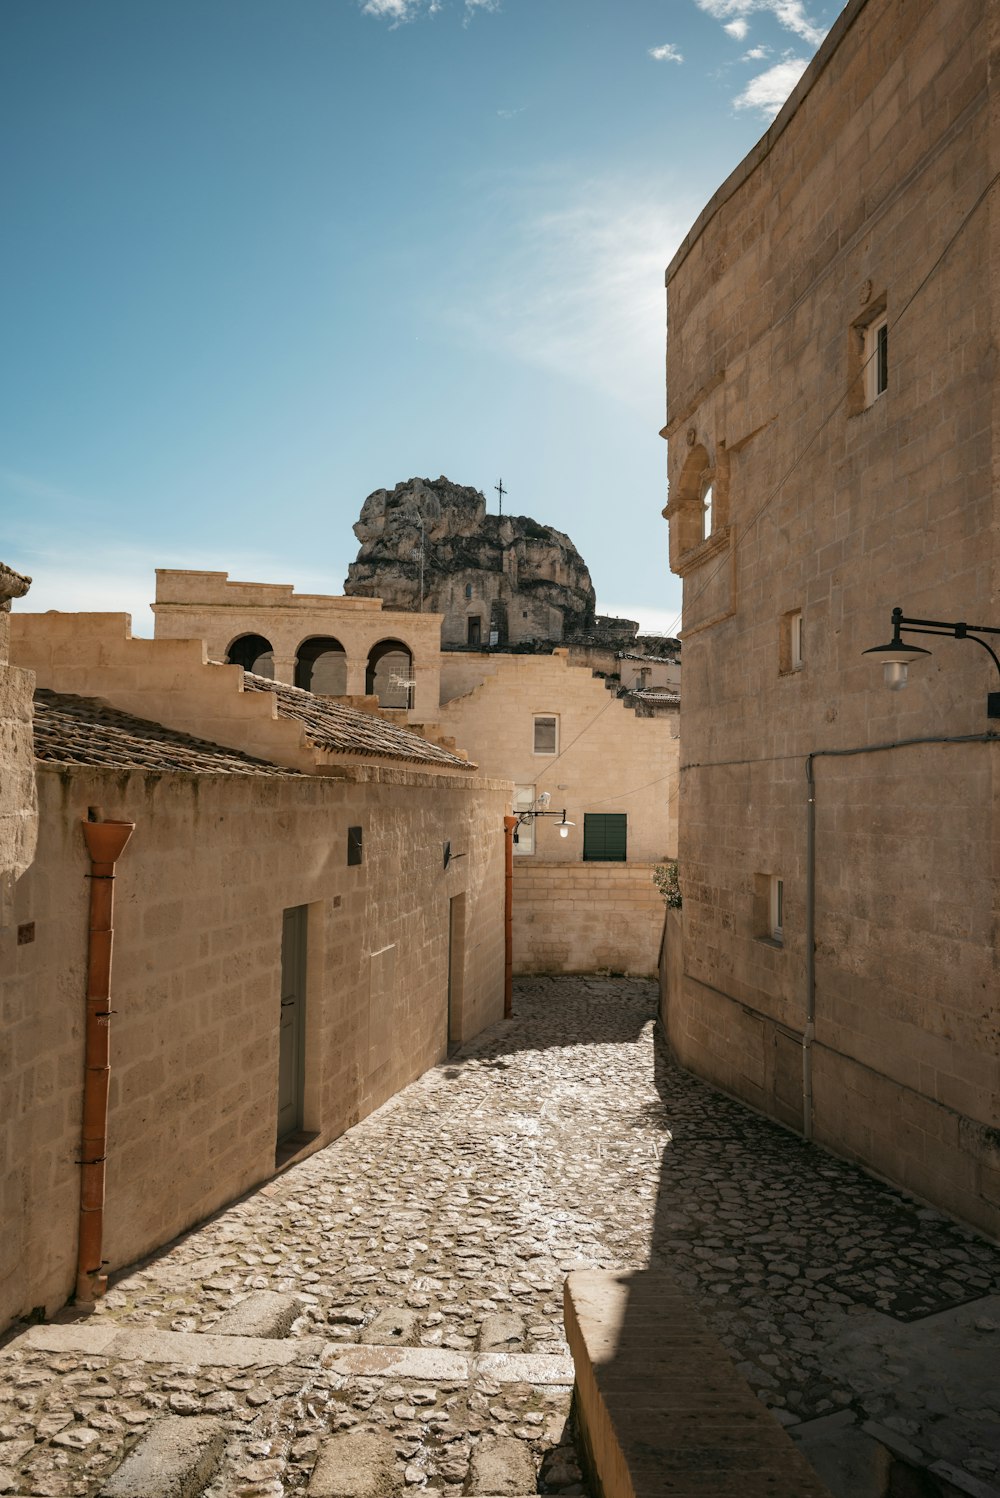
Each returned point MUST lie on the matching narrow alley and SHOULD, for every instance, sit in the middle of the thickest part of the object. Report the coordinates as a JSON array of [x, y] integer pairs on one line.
[[406, 1283]]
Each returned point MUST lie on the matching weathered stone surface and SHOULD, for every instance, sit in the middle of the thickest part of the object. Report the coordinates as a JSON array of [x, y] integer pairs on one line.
[[355, 1466], [174, 1460], [501, 1332], [501, 1465], [523, 580], [391, 1328], [12, 585], [263, 1313]]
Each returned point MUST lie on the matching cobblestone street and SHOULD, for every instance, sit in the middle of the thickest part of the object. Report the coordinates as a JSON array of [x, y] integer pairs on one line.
[[413, 1274]]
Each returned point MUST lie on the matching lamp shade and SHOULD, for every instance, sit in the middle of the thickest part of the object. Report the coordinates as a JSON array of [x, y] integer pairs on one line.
[[896, 659], [896, 653]]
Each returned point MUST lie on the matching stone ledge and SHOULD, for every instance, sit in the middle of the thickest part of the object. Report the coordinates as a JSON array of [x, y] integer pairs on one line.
[[660, 1407]]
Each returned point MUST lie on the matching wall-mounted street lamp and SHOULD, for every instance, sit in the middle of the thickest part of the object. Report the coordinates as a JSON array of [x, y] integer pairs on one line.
[[541, 809], [897, 656]]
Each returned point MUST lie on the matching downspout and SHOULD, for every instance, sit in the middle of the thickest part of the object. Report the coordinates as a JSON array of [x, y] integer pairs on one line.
[[809, 1030], [105, 844], [509, 823]]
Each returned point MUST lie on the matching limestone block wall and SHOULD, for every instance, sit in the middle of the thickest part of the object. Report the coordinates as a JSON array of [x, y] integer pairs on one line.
[[609, 760], [867, 196], [586, 918], [201, 889], [207, 606], [18, 809], [463, 673]]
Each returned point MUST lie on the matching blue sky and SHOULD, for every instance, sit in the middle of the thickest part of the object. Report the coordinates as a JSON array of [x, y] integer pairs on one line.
[[262, 257]]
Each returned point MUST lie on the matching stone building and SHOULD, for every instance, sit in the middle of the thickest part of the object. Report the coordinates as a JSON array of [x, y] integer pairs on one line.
[[833, 449], [606, 751], [341, 647], [614, 713], [292, 941]]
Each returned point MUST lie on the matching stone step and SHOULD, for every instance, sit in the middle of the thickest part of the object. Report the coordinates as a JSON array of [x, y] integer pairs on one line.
[[262, 1313], [356, 1466], [176, 1458]]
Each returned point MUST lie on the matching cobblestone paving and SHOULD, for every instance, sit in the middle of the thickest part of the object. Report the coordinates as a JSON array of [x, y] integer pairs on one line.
[[449, 1220]]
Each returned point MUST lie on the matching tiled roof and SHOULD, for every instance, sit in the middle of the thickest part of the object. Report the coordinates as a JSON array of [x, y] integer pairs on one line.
[[654, 694], [85, 731], [346, 730], [633, 655]]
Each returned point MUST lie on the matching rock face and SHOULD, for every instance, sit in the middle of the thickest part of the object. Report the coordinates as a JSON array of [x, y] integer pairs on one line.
[[497, 579]]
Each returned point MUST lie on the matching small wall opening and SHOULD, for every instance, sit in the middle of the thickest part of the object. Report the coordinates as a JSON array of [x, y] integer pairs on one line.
[[254, 653], [390, 674], [321, 666]]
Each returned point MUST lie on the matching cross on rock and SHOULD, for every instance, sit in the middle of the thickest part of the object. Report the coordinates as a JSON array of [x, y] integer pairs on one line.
[[501, 491]]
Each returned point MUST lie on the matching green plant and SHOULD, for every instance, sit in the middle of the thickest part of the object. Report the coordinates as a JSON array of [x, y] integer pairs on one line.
[[667, 881]]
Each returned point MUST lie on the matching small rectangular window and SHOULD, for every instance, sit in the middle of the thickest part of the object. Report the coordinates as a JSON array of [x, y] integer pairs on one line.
[[777, 913], [876, 359], [790, 652], [354, 846], [605, 837], [524, 834], [546, 735]]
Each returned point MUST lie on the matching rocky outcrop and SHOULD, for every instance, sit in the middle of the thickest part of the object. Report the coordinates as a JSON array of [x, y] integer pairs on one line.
[[500, 579], [12, 585]]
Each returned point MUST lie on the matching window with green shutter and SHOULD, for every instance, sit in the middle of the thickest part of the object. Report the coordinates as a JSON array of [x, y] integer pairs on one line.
[[605, 836]]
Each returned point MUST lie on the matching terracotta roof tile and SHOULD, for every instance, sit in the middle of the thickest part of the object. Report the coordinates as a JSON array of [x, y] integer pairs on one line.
[[346, 730], [73, 730]]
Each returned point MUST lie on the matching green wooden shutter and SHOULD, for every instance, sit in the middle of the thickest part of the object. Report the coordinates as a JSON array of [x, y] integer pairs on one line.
[[605, 837]]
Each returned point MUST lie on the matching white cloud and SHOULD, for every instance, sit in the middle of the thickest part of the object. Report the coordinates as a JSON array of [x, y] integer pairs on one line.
[[756, 54], [768, 91], [570, 280], [738, 29], [667, 53], [789, 13], [400, 11], [472, 6]]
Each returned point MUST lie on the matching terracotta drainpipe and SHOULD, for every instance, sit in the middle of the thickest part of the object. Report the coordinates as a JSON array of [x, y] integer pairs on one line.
[[509, 823], [105, 844]]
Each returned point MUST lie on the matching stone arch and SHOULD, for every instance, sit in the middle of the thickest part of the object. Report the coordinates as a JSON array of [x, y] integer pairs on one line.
[[321, 666], [254, 653], [696, 484], [390, 670]]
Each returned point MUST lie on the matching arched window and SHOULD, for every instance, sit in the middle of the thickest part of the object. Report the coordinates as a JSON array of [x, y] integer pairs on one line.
[[706, 508], [253, 653], [390, 674], [321, 666]]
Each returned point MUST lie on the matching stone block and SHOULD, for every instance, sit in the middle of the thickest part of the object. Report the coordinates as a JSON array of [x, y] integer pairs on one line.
[[356, 1466], [500, 1331], [391, 1328], [176, 1458], [263, 1313], [501, 1465]]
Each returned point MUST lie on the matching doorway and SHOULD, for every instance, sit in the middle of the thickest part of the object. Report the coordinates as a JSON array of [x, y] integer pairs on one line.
[[456, 969], [292, 1026]]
